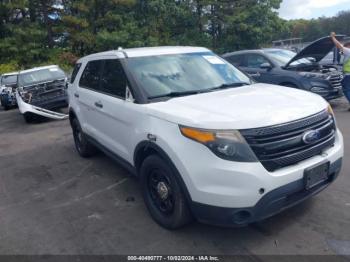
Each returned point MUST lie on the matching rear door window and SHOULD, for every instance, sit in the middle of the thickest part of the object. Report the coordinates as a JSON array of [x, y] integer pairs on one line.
[[91, 76], [113, 78]]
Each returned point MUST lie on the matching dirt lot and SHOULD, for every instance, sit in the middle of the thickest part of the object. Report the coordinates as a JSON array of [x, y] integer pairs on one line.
[[54, 202]]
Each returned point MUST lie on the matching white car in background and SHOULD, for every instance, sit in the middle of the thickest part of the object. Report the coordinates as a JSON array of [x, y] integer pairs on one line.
[[205, 140], [41, 91]]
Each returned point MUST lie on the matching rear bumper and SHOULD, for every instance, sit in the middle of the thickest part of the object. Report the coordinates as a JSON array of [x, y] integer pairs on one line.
[[272, 203]]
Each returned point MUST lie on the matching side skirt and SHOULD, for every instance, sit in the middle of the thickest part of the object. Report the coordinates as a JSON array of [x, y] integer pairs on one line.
[[126, 165]]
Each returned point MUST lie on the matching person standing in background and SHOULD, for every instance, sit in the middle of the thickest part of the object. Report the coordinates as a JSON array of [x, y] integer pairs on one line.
[[345, 49], [336, 56]]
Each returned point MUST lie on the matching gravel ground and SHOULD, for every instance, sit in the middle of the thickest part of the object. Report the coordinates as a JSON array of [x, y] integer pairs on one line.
[[54, 202]]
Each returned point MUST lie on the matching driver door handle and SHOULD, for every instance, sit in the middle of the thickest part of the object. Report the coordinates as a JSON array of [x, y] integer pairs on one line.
[[99, 104], [76, 95], [256, 74]]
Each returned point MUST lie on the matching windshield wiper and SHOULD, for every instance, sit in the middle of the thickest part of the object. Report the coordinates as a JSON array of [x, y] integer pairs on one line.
[[225, 86], [194, 92], [176, 94]]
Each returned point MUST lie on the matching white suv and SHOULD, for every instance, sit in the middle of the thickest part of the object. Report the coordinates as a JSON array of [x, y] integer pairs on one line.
[[205, 141]]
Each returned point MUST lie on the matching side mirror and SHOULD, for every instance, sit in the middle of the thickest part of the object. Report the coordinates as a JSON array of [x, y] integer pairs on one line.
[[311, 59], [265, 66]]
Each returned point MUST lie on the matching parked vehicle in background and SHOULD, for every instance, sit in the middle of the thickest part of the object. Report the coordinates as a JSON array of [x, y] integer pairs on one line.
[[204, 139], [41, 91], [8, 85], [286, 68]]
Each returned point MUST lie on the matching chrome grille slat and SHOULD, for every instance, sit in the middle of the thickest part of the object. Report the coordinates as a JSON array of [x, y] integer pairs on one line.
[[259, 140], [296, 149], [283, 145], [335, 80]]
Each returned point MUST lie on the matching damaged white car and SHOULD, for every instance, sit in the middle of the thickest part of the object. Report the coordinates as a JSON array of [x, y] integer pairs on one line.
[[41, 92]]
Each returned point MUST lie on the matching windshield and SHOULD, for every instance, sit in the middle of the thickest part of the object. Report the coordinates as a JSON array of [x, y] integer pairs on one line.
[[183, 73], [42, 75], [9, 80], [282, 57]]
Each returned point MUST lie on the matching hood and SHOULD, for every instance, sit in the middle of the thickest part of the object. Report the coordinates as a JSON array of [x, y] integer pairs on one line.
[[318, 49], [258, 105]]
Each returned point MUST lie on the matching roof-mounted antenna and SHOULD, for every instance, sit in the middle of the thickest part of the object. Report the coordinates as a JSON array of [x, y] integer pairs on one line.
[[120, 49]]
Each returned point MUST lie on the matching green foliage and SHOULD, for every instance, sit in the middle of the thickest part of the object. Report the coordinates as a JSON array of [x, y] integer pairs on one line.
[[28, 37], [309, 30]]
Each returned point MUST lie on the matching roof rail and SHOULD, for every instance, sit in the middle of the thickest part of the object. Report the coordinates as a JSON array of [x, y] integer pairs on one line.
[[120, 49]]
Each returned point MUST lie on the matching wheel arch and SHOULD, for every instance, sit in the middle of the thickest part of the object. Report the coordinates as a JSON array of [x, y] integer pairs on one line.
[[147, 148], [72, 115], [289, 84]]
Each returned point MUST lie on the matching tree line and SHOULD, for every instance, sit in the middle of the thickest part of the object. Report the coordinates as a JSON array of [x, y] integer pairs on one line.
[[309, 30], [37, 32]]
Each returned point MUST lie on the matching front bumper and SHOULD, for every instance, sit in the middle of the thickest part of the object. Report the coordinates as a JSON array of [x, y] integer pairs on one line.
[[272, 203], [327, 90], [26, 108], [332, 94], [225, 186]]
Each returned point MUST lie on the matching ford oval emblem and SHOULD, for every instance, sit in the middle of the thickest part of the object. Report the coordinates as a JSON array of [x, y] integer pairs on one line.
[[311, 136]]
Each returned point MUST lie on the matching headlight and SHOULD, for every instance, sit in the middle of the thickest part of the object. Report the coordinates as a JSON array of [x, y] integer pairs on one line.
[[330, 110], [310, 75], [229, 145], [26, 96], [317, 89]]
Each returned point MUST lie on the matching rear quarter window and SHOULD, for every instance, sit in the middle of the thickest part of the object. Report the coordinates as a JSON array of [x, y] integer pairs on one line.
[[75, 72], [236, 60]]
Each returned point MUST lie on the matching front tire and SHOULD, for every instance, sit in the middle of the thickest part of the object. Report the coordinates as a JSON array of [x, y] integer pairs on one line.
[[83, 146], [162, 193]]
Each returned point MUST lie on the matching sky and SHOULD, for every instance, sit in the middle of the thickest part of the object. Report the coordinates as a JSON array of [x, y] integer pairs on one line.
[[307, 9]]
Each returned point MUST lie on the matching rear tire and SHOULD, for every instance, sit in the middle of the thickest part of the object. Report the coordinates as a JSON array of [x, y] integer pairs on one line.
[[163, 195], [83, 146], [28, 118]]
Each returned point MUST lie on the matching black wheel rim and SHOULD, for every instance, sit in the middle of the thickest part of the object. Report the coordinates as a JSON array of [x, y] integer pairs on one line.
[[161, 192]]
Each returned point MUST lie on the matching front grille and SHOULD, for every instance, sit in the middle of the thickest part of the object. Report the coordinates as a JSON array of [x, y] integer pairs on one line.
[[335, 80], [283, 145], [45, 91], [47, 96]]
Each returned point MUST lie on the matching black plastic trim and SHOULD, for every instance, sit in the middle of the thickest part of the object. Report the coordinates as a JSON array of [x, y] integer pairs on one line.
[[297, 124], [125, 164], [282, 145]]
